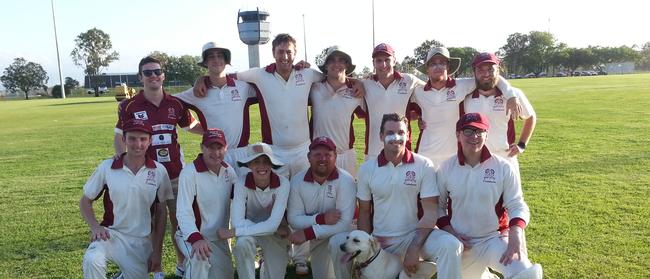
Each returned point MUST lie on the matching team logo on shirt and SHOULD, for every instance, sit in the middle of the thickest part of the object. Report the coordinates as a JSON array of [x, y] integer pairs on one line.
[[409, 179], [151, 178], [234, 95], [299, 79], [171, 113], [489, 176], [141, 115], [498, 104], [347, 93], [451, 95], [163, 155], [401, 87], [331, 191]]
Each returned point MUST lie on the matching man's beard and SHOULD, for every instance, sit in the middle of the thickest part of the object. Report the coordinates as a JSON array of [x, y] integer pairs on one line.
[[487, 85]]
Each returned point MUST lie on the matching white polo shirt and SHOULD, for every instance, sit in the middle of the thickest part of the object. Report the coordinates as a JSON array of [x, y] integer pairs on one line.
[[380, 101], [502, 128], [484, 199], [332, 113], [283, 104], [309, 200], [128, 197], [394, 191], [257, 212], [203, 203], [225, 108]]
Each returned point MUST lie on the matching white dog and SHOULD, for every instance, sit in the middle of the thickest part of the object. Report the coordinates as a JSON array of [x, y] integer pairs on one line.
[[371, 262]]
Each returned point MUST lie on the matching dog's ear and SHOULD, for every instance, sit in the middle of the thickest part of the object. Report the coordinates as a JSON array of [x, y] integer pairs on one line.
[[374, 244]]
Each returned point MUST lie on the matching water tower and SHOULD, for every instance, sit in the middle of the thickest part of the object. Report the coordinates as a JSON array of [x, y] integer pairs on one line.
[[254, 30]]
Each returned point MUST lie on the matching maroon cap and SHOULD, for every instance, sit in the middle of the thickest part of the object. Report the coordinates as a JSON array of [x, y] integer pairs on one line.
[[322, 141], [485, 57], [473, 119], [137, 125], [383, 48], [213, 135]]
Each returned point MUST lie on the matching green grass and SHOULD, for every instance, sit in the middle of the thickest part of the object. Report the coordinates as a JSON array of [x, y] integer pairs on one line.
[[585, 178]]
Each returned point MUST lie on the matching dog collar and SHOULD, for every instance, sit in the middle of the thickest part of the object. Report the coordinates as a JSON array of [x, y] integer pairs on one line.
[[369, 261]]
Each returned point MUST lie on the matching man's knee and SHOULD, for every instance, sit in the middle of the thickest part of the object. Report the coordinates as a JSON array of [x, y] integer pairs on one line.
[[94, 258], [244, 244], [533, 272], [444, 244]]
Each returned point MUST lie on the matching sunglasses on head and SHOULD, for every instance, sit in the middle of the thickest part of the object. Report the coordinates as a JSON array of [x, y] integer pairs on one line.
[[148, 73]]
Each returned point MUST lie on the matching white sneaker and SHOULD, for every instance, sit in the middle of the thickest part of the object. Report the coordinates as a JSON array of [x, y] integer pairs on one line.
[[159, 275], [302, 269]]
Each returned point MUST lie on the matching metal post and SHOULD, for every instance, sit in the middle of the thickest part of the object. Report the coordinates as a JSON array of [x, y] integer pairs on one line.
[[373, 24], [304, 36], [58, 59]]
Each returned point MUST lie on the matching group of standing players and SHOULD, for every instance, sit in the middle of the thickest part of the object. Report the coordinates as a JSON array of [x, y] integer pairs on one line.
[[300, 187]]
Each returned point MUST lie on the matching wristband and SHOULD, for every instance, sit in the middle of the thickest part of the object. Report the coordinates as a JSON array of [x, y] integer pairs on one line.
[[521, 145]]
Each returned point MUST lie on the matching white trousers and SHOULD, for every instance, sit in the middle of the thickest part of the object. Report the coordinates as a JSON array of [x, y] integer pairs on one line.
[[218, 265], [276, 256], [129, 253], [294, 159], [487, 254], [347, 160]]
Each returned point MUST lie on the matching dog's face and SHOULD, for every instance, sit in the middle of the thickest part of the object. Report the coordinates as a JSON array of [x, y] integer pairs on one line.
[[359, 245]]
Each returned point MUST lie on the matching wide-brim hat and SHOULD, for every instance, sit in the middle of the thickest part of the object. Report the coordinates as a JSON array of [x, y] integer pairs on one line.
[[454, 62], [213, 45], [336, 50], [260, 149]]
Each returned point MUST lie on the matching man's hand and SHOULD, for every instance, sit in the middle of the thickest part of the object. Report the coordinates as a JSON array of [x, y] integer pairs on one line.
[[332, 216], [514, 150], [513, 106], [422, 124], [99, 233], [226, 233], [199, 89], [302, 65], [201, 249], [463, 238], [514, 250], [359, 90], [154, 263], [298, 237], [282, 231], [411, 260]]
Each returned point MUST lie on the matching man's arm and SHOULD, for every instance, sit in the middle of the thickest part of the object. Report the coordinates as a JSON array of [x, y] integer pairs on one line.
[[364, 222], [157, 235], [97, 232], [424, 228], [118, 144]]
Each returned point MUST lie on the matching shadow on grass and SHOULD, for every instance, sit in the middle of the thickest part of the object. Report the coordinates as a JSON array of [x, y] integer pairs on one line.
[[82, 103]]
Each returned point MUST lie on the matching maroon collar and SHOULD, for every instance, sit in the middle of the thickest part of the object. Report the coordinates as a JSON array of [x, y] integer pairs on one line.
[[230, 81], [310, 178], [485, 154], [200, 166], [451, 82], [250, 182], [406, 159], [141, 98], [348, 82], [271, 68], [475, 93], [396, 75], [119, 163]]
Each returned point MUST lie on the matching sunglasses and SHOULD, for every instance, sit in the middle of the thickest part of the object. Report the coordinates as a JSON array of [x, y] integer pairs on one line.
[[148, 73]]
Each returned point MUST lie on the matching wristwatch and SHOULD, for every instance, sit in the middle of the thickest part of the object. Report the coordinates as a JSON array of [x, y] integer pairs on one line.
[[521, 145]]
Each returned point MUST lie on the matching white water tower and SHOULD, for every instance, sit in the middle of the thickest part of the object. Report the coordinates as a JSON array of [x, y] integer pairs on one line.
[[254, 30]]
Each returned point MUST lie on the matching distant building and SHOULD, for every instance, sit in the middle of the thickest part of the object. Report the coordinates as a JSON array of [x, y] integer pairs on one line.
[[620, 68], [113, 79]]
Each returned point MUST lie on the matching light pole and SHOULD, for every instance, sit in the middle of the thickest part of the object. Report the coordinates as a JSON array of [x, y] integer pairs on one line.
[[58, 58]]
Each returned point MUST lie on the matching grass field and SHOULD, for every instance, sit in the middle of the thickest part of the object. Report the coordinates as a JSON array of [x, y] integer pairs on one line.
[[585, 178]]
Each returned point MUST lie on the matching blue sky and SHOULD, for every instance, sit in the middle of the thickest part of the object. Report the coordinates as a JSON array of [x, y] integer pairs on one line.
[[182, 27]]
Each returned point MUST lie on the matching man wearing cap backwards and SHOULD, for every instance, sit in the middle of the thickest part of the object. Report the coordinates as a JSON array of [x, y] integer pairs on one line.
[[321, 207], [131, 186], [258, 207], [163, 112], [390, 186], [488, 100], [226, 104], [489, 213], [204, 191], [333, 105], [437, 104]]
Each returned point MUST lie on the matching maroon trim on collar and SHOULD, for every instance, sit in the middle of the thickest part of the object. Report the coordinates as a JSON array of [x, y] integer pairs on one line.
[[451, 82], [310, 178], [485, 155], [200, 166], [119, 163], [406, 159], [475, 93], [272, 67], [230, 81], [250, 182]]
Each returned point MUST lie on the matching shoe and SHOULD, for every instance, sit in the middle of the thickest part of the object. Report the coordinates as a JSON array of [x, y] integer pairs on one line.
[[180, 271], [119, 275], [159, 275], [302, 269]]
